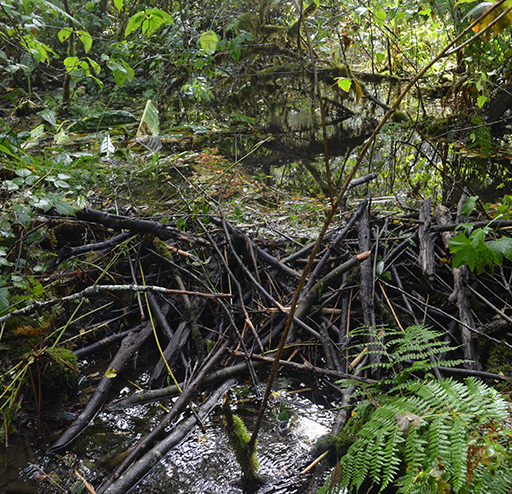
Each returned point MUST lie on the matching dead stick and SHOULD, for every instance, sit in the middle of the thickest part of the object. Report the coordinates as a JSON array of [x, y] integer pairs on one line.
[[177, 408], [130, 344], [137, 471], [308, 368], [139, 397], [391, 307], [95, 289]]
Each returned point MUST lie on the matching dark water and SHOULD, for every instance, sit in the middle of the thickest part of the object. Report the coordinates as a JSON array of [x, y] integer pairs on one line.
[[202, 463]]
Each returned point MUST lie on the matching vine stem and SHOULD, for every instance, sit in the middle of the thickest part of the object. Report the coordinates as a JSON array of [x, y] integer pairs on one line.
[[334, 208]]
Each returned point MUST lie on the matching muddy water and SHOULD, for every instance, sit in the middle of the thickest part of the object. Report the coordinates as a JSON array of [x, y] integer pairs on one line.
[[202, 463]]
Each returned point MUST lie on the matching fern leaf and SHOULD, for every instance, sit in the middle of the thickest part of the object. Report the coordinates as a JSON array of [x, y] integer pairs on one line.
[[458, 454], [439, 432], [391, 456]]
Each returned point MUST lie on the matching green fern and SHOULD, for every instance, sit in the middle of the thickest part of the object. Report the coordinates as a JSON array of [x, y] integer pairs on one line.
[[428, 436]]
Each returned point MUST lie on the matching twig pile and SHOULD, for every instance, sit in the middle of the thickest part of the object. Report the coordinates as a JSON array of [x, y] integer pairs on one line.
[[213, 304]]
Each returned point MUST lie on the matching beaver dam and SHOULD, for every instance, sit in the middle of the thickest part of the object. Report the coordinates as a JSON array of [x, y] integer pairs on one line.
[[144, 329]]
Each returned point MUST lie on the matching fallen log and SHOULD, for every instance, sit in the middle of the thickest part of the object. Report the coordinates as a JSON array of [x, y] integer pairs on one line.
[[129, 346]]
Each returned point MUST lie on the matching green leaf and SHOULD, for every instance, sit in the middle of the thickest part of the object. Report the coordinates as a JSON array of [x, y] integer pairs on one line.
[[23, 215], [344, 83], [119, 71], [502, 247], [130, 73], [86, 39], [61, 137], [53, 8], [64, 208], [74, 63], [32, 179], [381, 15], [379, 268], [95, 65], [464, 251], [235, 50], [149, 123], [209, 41], [61, 184], [49, 116], [477, 238], [480, 101], [23, 172], [154, 20], [469, 205], [119, 4], [44, 203], [64, 34], [3, 257], [11, 185], [37, 132], [4, 299], [134, 23], [6, 148]]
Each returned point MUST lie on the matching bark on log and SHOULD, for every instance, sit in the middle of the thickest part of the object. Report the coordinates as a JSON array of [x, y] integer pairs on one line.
[[460, 297], [176, 343], [67, 251], [105, 342], [128, 347], [326, 282], [327, 252], [367, 287]]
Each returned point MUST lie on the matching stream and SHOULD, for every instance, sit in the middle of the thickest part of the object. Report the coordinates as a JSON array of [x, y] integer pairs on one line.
[[202, 463]]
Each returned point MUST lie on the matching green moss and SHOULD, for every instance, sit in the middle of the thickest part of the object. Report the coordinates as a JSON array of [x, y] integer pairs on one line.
[[161, 248], [60, 378], [500, 362], [239, 438], [399, 116]]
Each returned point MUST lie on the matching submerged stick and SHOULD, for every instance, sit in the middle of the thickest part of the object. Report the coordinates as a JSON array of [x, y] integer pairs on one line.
[[177, 408], [139, 397], [137, 471]]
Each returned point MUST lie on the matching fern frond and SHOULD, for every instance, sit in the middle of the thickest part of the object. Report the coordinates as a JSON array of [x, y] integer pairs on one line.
[[377, 459], [488, 481], [391, 463], [485, 401], [434, 433], [458, 454], [439, 433], [415, 452]]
